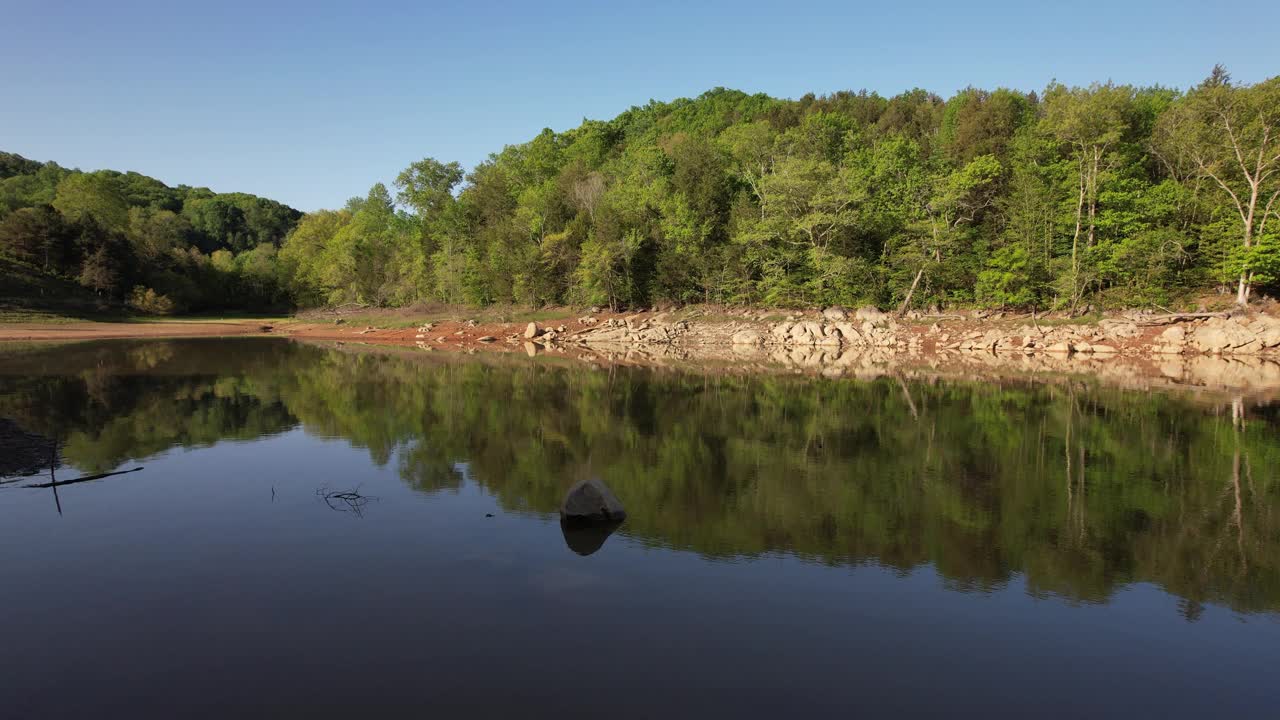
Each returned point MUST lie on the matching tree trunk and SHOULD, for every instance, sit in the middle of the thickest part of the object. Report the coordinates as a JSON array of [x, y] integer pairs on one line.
[[1242, 291], [907, 301], [1093, 196], [1075, 238]]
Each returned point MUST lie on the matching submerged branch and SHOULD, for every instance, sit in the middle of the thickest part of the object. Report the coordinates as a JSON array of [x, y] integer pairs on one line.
[[86, 478]]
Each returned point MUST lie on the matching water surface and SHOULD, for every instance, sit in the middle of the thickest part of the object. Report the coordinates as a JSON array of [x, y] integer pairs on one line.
[[339, 532]]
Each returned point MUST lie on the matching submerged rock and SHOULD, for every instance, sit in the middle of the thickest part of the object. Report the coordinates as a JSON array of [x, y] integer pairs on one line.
[[591, 501], [586, 538]]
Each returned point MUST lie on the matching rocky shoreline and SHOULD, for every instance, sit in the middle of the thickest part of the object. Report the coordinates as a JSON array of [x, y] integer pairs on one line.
[[1236, 352], [872, 329]]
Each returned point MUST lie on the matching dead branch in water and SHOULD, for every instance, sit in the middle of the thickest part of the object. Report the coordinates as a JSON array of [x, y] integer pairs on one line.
[[87, 478], [1179, 317], [344, 500]]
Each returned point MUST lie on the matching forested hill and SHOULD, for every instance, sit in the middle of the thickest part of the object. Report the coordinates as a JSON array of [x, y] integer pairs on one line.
[[129, 237], [1107, 195]]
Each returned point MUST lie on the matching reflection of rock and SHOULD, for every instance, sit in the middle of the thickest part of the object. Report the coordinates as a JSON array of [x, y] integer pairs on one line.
[[591, 500], [585, 537]]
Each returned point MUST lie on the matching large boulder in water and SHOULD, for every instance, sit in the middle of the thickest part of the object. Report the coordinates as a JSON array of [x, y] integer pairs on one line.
[[591, 501], [584, 538]]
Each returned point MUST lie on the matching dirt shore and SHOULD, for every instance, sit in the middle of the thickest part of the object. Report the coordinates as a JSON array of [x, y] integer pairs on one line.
[[90, 330]]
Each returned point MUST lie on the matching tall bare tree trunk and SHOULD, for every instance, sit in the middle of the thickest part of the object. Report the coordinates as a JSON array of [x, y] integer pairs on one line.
[[907, 301], [1075, 239]]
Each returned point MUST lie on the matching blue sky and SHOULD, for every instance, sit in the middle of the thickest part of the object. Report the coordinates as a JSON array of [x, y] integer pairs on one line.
[[311, 103]]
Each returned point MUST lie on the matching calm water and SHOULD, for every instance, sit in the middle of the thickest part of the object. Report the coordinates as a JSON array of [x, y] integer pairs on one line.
[[323, 532]]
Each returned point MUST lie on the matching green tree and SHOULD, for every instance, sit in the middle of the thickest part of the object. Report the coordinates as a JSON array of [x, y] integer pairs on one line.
[[1089, 122], [1230, 135], [97, 196]]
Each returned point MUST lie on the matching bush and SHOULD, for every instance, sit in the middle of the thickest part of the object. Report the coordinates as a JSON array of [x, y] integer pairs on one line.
[[1010, 279], [148, 301]]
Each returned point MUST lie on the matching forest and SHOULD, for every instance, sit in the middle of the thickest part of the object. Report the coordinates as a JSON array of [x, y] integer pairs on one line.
[[1103, 196]]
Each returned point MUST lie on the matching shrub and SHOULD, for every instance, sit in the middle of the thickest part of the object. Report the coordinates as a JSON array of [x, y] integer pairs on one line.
[[148, 301]]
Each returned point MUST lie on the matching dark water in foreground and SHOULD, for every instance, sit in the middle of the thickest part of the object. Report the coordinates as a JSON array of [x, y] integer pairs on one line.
[[793, 546]]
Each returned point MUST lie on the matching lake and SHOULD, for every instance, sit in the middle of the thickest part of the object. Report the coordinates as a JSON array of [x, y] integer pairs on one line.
[[340, 531]]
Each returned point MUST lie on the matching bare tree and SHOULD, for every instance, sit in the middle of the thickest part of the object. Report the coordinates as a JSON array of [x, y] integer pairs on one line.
[[1230, 135]]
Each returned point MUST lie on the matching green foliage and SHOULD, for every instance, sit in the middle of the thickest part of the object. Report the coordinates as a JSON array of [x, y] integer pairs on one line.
[[108, 231], [1010, 279], [1108, 194], [148, 301]]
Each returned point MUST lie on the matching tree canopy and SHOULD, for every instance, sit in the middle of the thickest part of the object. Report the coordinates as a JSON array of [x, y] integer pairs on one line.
[[127, 236], [1106, 195]]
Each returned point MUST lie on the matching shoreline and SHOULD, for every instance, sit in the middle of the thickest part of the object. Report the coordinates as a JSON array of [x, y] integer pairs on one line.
[[1219, 351]]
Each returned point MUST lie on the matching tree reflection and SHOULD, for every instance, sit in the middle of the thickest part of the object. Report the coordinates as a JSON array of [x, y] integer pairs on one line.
[[1075, 490]]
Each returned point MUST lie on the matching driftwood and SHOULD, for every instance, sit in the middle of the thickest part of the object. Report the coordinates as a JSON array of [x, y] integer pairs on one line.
[[86, 478], [343, 500], [906, 303], [1178, 317]]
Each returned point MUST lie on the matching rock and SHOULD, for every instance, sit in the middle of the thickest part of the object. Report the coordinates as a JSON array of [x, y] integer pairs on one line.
[[530, 349], [1267, 330], [531, 331], [781, 331], [830, 337], [1119, 328], [1219, 336], [849, 335], [654, 335], [1059, 348], [591, 501], [1174, 335], [747, 337], [834, 313], [586, 538], [871, 314], [613, 335]]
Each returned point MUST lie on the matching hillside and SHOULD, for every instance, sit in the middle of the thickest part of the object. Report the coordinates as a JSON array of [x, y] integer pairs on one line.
[[111, 239]]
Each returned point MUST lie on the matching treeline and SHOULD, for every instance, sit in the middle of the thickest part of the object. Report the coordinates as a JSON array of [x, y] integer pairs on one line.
[[130, 238], [1107, 195]]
